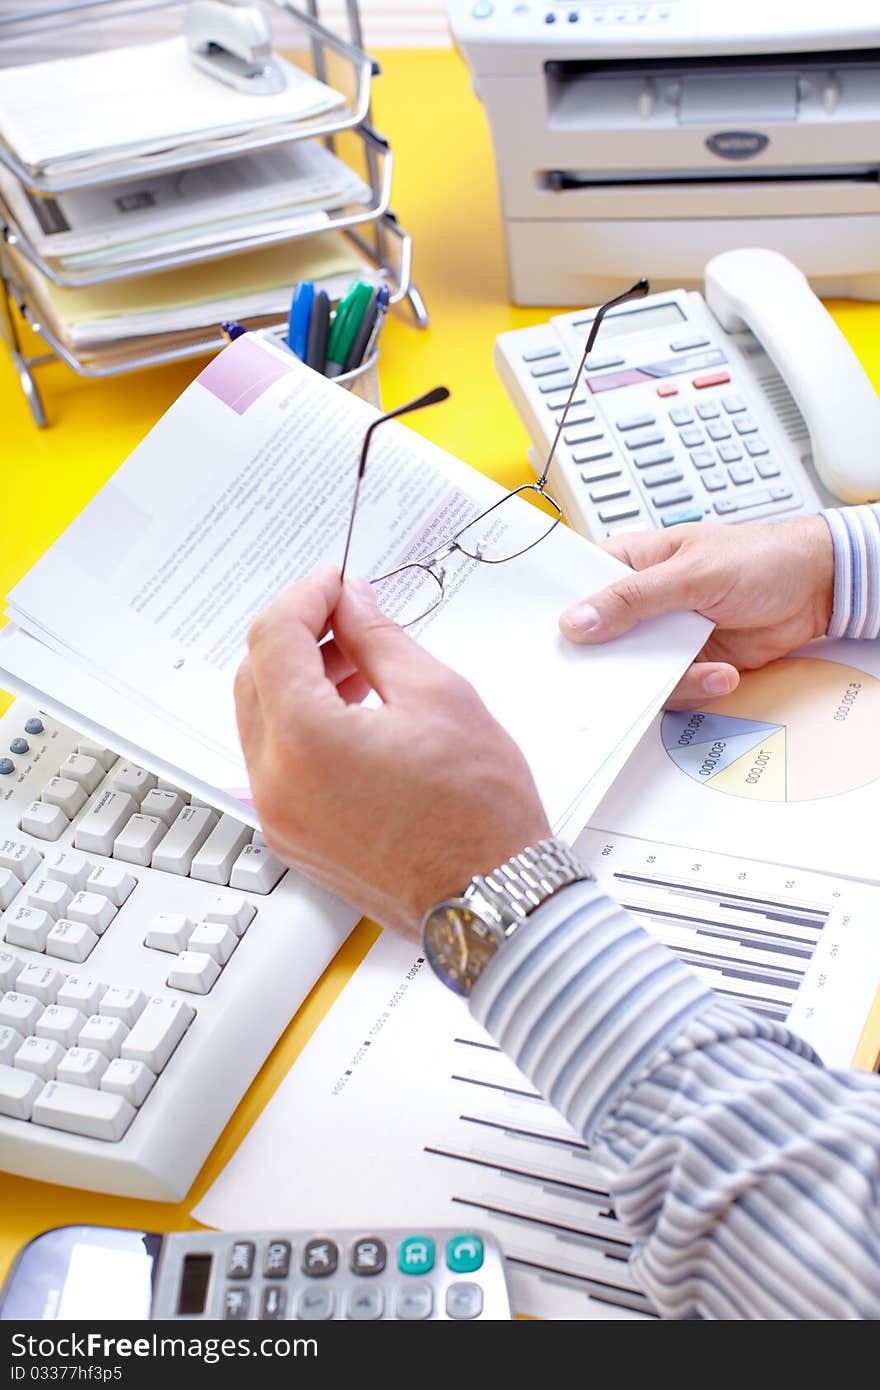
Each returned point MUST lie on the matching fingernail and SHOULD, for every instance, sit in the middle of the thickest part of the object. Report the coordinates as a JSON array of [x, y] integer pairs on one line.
[[718, 683], [583, 617]]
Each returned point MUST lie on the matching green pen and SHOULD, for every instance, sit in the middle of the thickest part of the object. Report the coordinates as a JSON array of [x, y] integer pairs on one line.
[[346, 322]]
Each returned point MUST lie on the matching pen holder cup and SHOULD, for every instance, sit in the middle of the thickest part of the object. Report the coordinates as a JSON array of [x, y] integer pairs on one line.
[[363, 380]]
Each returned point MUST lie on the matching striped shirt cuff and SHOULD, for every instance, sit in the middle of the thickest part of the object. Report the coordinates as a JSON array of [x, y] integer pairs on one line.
[[583, 999], [855, 533]]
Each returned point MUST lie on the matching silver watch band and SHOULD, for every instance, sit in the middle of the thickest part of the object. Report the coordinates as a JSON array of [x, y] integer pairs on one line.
[[509, 893]]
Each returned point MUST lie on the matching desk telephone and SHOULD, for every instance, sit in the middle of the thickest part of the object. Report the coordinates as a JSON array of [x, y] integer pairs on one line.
[[746, 405]]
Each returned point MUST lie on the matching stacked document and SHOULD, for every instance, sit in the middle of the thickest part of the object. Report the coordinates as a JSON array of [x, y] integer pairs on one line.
[[72, 116], [255, 285], [283, 191], [132, 625]]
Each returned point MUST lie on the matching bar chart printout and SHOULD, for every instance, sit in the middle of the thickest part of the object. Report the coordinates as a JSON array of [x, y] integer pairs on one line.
[[406, 1127]]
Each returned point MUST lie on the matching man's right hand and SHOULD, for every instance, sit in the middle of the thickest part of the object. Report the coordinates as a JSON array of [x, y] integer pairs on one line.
[[767, 587]]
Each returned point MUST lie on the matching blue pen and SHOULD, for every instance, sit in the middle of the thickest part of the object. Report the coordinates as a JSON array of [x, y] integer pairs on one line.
[[300, 314]]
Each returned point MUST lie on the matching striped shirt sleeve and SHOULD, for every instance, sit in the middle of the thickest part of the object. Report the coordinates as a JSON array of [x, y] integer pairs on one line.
[[747, 1174], [855, 533]]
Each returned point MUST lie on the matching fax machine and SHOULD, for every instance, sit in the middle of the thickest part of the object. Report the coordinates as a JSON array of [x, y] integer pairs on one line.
[[647, 137]]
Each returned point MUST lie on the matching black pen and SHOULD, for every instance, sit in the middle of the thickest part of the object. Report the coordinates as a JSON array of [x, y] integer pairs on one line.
[[319, 323], [355, 354]]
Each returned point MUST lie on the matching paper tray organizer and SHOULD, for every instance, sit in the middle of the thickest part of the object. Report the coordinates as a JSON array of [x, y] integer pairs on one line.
[[372, 228]]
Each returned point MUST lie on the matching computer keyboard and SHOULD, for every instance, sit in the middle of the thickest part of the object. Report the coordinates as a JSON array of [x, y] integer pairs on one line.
[[152, 951]]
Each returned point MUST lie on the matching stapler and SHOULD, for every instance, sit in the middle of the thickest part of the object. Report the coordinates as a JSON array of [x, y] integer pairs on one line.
[[232, 41]]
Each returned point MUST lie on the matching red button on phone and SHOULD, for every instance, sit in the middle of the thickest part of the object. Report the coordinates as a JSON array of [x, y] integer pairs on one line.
[[667, 389], [710, 379]]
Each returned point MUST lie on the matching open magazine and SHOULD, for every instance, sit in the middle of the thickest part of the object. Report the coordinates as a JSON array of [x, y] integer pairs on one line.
[[133, 623]]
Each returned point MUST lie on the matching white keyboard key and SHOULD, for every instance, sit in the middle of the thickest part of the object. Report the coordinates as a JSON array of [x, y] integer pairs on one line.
[[105, 756], [78, 767], [103, 821], [18, 1091], [9, 886], [137, 840], [41, 982], [257, 870], [232, 910], [93, 909], [71, 941], [165, 804], [112, 882], [197, 801], [167, 786], [83, 1066], [64, 792], [10, 1041], [27, 926], [123, 1001], [183, 841], [49, 895], [20, 858], [62, 1023], [105, 1034], [132, 779], [81, 992], [11, 967], [169, 931], [157, 1032], [43, 821], [80, 1110], [69, 868], [258, 838], [19, 1011], [215, 940], [214, 861], [40, 1056], [194, 972], [131, 1080]]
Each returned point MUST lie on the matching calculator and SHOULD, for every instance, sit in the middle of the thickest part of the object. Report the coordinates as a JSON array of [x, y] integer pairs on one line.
[[675, 419], [416, 1274]]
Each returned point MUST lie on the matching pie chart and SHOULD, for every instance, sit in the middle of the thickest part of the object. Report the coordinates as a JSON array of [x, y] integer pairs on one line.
[[799, 730]]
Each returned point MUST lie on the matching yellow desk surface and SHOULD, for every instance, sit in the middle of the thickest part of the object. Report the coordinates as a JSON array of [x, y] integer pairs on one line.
[[445, 195]]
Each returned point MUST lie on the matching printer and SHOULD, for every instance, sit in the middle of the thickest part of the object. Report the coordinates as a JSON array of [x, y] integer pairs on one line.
[[645, 138]]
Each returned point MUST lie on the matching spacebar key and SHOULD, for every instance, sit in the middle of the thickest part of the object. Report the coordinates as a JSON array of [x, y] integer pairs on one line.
[[157, 1032], [80, 1110]]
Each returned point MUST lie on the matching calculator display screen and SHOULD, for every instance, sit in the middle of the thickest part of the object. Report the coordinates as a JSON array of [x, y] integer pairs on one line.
[[82, 1273], [622, 321], [194, 1284]]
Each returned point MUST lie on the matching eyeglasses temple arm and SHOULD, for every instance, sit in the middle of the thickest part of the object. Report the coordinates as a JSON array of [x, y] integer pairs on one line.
[[635, 291], [432, 397]]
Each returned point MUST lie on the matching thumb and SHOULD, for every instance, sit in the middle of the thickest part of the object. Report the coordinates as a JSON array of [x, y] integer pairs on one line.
[[390, 660], [665, 588]]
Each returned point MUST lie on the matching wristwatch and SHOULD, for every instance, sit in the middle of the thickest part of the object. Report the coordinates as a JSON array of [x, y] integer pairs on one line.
[[461, 935]]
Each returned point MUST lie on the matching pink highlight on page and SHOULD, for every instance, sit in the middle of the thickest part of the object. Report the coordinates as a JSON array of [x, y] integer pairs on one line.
[[242, 373]]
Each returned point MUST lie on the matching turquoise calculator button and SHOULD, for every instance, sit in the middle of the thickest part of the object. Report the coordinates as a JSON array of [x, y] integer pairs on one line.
[[416, 1255], [464, 1254]]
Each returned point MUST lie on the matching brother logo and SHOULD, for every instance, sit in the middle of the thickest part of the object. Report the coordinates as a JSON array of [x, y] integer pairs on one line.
[[737, 144]]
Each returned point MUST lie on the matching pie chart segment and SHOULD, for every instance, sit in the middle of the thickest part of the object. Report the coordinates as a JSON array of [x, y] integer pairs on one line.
[[800, 729], [760, 773], [711, 756]]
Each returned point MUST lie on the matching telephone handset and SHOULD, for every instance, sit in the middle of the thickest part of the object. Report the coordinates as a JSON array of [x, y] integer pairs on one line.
[[745, 405], [765, 292]]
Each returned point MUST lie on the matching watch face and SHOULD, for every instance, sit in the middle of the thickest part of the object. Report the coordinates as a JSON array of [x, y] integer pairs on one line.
[[458, 945]]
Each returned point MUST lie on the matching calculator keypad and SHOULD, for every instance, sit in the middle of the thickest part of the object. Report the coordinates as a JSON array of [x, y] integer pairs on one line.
[[306, 1276]]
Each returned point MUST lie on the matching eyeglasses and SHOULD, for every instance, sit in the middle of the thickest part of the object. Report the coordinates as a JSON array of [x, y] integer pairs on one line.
[[501, 533]]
